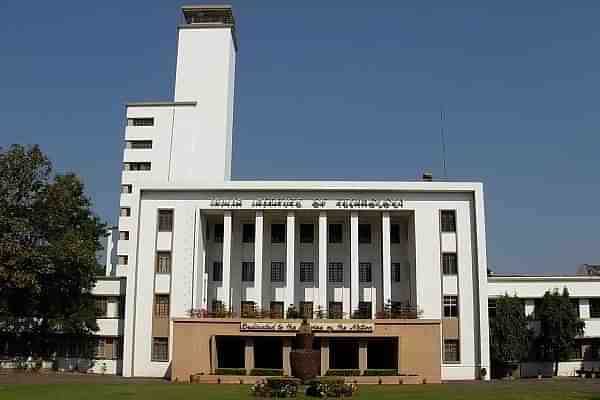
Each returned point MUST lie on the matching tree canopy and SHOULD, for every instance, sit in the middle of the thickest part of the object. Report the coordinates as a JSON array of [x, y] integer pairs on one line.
[[509, 331], [49, 237]]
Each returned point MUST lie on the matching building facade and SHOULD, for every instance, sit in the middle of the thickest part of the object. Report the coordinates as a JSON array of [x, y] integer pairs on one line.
[[217, 273]]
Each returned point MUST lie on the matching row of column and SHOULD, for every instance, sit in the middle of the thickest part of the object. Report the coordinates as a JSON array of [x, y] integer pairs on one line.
[[322, 257]]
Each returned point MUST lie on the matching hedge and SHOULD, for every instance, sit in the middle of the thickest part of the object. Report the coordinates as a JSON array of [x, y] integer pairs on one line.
[[230, 371], [266, 372], [380, 372], [342, 372]]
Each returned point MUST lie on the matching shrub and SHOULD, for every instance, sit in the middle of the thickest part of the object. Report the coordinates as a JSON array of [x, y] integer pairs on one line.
[[230, 371], [327, 387], [266, 372], [342, 372], [381, 372]]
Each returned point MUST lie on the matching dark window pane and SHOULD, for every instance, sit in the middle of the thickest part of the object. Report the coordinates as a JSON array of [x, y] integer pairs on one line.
[[364, 272], [364, 233], [248, 231], [448, 218], [278, 233], [449, 263], [335, 233], [218, 233], [248, 272], [306, 272], [335, 272], [307, 233], [395, 233], [276, 271], [217, 271], [165, 220]]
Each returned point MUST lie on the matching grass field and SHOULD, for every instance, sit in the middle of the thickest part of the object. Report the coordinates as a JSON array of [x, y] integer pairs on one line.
[[522, 390]]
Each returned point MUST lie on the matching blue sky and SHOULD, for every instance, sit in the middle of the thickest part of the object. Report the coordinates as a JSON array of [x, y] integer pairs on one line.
[[355, 89]]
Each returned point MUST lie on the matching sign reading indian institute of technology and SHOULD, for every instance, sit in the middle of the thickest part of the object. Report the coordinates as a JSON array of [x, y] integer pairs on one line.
[[276, 203]]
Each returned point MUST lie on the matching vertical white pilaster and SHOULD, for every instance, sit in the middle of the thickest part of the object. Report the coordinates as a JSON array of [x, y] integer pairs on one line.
[[354, 286], [386, 263], [258, 258], [289, 251], [323, 260], [227, 231], [200, 289]]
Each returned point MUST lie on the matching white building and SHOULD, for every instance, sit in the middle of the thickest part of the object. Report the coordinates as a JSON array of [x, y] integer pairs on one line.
[[406, 258]]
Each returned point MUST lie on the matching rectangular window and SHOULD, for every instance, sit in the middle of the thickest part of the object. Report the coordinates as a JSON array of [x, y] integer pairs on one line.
[[139, 144], [395, 233], [218, 233], [163, 262], [491, 308], [595, 308], [448, 218], [336, 310], [397, 272], [364, 310], [335, 233], [575, 305], [248, 309], [165, 220], [160, 349], [451, 353], [276, 271], [125, 212], [335, 272], [307, 271], [101, 306], [248, 231], [307, 233], [450, 306], [161, 305], [217, 275], [137, 166], [449, 263], [140, 121], [248, 271], [277, 233], [123, 260], [306, 309], [123, 235], [364, 233], [100, 348], [126, 189], [364, 272], [277, 309], [217, 306]]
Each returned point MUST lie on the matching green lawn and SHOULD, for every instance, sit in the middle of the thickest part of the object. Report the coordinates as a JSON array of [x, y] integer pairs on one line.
[[531, 390]]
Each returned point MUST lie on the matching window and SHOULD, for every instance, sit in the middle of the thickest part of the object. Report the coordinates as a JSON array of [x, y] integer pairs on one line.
[[575, 305], [395, 233], [248, 271], [139, 144], [117, 349], [307, 271], [217, 275], [397, 272], [165, 220], [450, 306], [306, 309], [364, 310], [161, 305], [140, 121], [448, 218], [595, 308], [336, 310], [276, 271], [100, 348], [277, 233], [126, 189], [335, 234], [163, 262], [277, 309], [451, 350], [248, 232], [123, 235], [248, 309], [217, 306], [335, 272], [218, 233], [101, 306], [364, 272], [137, 166], [307, 233], [364, 233], [125, 212], [123, 260], [491, 308], [160, 349], [449, 264]]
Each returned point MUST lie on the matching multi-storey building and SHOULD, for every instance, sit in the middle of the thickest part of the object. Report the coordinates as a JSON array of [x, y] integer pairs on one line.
[[219, 273]]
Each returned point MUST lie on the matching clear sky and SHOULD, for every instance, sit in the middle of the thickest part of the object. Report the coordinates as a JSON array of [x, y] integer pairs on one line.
[[346, 89]]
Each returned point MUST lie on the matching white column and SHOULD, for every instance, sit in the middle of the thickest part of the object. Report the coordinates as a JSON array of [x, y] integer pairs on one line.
[[386, 263], [289, 259], [323, 260], [227, 225], [258, 258], [354, 286], [199, 293]]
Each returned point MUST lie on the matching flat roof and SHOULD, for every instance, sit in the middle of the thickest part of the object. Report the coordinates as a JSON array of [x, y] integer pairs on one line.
[[571, 278]]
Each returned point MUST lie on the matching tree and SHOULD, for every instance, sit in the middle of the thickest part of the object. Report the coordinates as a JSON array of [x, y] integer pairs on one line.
[[509, 331], [48, 242], [559, 326]]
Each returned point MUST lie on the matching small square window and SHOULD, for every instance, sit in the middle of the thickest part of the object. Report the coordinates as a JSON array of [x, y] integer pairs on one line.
[[335, 233], [450, 306], [126, 189], [218, 233], [163, 262], [160, 349], [397, 272], [217, 306], [336, 310], [139, 144], [307, 233], [448, 218], [451, 353], [248, 309], [276, 309], [161, 305], [165, 220], [125, 212], [148, 121], [395, 233], [124, 235], [335, 272], [364, 233], [277, 233], [364, 310], [123, 260], [307, 271], [306, 309], [276, 271], [449, 264], [595, 308], [364, 272], [217, 275], [248, 271], [248, 231]]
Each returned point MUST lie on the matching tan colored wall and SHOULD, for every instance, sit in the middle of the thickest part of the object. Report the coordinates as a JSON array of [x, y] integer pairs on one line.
[[450, 328]]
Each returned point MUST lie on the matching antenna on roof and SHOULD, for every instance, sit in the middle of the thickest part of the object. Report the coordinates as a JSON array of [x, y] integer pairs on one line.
[[443, 138]]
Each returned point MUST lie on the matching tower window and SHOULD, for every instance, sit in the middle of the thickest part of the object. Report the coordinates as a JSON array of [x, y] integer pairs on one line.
[[448, 218], [364, 233], [140, 121]]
